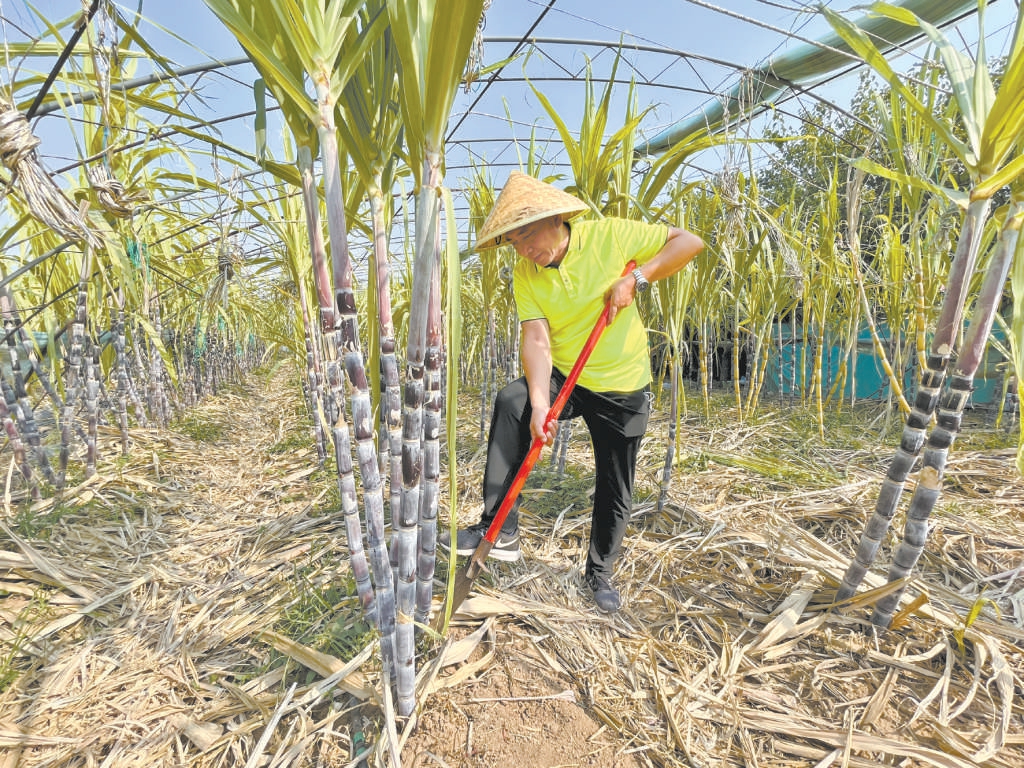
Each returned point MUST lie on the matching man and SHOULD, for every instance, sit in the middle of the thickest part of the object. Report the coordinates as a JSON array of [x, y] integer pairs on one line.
[[565, 275]]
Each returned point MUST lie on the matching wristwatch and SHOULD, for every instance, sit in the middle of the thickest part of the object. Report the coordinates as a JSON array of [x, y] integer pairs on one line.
[[642, 283]]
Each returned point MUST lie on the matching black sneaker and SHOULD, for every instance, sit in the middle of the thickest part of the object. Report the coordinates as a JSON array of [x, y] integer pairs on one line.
[[506, 548], [605, 595]]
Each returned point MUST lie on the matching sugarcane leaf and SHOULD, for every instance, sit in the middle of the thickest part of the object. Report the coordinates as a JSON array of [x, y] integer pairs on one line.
[[1004, 123], [269, 46], [959, 197], [862, 45], [433, 41], [1005, 175], [969, 81]]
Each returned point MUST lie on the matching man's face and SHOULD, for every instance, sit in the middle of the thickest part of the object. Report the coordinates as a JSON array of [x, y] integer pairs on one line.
[[541, 242]]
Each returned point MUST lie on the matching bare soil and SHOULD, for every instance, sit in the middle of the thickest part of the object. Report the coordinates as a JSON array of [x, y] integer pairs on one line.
[[516, 713]]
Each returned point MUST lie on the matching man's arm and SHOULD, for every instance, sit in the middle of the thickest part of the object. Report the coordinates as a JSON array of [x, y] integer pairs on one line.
[[679, 250], [536, 353]]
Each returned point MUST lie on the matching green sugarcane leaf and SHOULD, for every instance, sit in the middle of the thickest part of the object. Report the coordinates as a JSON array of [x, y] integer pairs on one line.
[[573, 149], [1008, 174], [451, 38], [972, 89], [959, 197], [259, 92], [263, 38], [862, 45], [453, 323], [406, 21], [356, 53], [1005, 121]]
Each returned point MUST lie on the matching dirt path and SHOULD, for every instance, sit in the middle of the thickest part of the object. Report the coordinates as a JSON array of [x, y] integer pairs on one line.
[[145, 593], [146, 617]]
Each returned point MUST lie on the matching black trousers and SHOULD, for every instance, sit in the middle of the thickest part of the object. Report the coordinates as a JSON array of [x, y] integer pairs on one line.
[[616, 421]]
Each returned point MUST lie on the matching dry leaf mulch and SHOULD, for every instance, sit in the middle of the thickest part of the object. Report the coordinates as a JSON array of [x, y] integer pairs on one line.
[[147, 626]]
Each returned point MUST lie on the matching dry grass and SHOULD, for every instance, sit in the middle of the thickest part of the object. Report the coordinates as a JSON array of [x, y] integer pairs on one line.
[[190, 606]]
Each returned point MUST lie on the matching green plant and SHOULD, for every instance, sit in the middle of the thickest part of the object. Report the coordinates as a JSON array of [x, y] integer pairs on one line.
[[37, 525], [200, 429], [324, 612], [37, 608]]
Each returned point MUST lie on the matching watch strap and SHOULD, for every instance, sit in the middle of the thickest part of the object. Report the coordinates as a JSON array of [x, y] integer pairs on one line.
[[642, 283]]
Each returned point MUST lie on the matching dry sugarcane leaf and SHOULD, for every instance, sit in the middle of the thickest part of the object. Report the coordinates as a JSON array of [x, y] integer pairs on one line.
[[797, 635], [463, 648], [1003, 677], [904, 614], [862, 742], [66, 621], [483, 606], [14, 737], [941, 687], [788, 614], [827, 757], [46, 567], [876, 704], [665, 706], [957, 744], [323, 664], [464, 672], [203, 735]]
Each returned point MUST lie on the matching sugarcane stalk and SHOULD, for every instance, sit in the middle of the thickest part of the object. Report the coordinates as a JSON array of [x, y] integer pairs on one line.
[[705, 345], [347, 318], [391, 393], [74, 360], [737, 330], [426, 548], [138, 347], [925, 402], [560, 450], [9, 309], [759, 374], [333, 393], [818, 375], [950, 414], [19, 394], [489, 379], [160, 403], [673, 428], [90, 363], [121, 370], [406, 523], [9, 413], [793, 368], [314, 379], [317, 249]]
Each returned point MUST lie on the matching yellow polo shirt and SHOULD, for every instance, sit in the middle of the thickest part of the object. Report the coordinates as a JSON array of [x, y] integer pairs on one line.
[[571, 298]]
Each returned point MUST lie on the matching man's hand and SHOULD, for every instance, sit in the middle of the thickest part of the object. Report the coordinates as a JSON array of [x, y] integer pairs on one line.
[[537, 419], [620, 296], [678, 251]]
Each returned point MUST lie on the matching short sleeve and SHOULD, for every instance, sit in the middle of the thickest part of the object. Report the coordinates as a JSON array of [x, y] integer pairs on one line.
[[527, 305]]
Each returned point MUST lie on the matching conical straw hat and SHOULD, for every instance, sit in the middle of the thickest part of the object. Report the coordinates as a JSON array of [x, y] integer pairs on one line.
[[523, 201]]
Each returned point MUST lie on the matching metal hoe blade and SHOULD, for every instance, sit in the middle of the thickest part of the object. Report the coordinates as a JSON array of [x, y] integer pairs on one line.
[[464, 579]]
